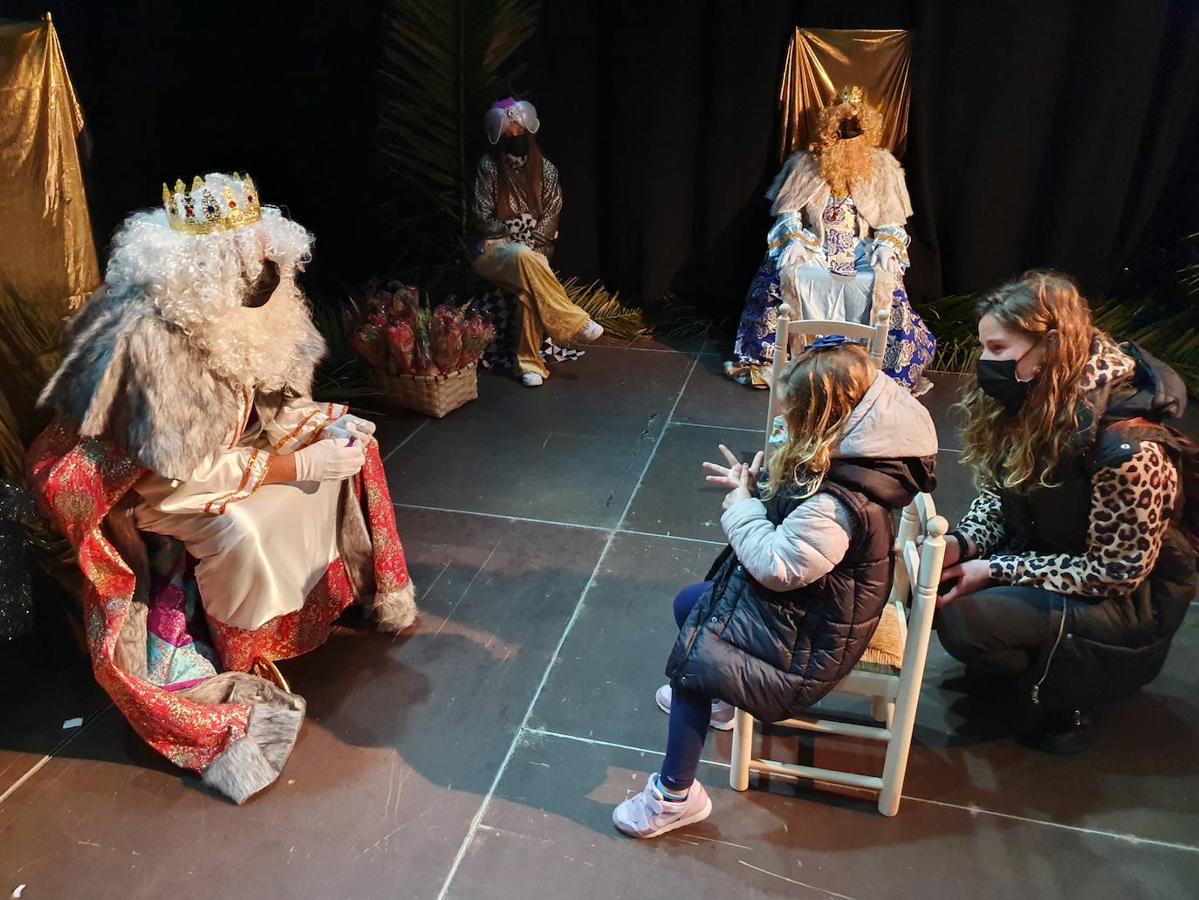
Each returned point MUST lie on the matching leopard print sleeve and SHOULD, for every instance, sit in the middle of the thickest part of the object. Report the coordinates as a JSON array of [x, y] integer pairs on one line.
[[983, 522], [1131, 506]]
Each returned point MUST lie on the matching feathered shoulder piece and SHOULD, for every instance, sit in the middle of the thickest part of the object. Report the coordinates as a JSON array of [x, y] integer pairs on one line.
[[884, 199], [130, 376], [796, 184]]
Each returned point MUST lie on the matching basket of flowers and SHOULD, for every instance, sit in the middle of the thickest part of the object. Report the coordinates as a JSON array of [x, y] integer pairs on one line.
[[421, 358]]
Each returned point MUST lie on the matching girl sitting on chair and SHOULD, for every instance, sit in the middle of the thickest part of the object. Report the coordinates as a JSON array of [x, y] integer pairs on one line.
[[791, 604]]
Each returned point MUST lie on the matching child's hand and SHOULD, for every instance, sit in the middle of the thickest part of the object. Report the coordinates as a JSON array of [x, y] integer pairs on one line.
[[740, 475], [723, 476]]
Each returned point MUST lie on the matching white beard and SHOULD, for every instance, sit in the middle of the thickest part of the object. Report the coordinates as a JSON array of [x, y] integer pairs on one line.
[[267, 347]]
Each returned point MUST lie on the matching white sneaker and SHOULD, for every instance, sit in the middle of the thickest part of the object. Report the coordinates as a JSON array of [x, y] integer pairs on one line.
[[650, 814], [531, 379], [722, 713], [592, 331]]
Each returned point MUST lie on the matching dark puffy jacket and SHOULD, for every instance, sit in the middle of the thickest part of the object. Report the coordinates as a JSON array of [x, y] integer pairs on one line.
[[775, 653], [1105, 648]]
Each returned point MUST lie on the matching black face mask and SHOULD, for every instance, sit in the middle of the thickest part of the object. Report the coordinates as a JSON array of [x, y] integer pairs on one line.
[[515, 145], [262, 289], [997, 379]]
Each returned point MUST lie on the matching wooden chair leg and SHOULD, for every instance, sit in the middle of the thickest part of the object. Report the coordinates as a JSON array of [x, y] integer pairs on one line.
[[743, 744], [879, 709]]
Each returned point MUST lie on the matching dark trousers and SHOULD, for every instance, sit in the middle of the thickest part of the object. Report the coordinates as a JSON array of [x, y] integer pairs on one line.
[[1000, 631], [690, 713]]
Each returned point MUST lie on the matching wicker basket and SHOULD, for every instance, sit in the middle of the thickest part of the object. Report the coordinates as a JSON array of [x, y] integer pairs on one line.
[[433, 395]]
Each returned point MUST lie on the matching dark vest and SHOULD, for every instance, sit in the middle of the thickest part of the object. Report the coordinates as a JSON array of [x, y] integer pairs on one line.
[[776, 653], [1106, 646]]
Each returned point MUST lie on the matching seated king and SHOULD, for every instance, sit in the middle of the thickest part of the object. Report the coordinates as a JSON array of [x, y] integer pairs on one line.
[[221, 518]]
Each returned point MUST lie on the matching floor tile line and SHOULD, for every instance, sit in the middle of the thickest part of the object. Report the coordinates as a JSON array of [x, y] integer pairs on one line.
[[58, 748], [715, 427], [1096, 832], [415, 431], [974, 810], [544, 732], [477, 820], [534, 521], [33, 770], [505, 517], [672, 537], [802, 884]]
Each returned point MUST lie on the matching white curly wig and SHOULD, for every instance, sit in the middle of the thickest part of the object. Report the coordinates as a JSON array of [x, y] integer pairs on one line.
[[193, 278], [198, 284]]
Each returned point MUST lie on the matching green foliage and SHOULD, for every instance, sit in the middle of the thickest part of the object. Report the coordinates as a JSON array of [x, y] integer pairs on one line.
[[443, 63]]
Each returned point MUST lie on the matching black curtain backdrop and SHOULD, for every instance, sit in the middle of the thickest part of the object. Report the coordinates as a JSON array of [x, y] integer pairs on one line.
[[280, 88], [1049, 133], [1052, 133]]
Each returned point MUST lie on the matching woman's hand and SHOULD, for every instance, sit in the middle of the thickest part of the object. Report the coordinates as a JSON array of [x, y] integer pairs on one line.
[[739, 478], [953, 553], [971, 576]]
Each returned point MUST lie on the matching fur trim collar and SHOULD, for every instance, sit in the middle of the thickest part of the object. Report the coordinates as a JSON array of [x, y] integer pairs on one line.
[[884, 201], [129, 375]]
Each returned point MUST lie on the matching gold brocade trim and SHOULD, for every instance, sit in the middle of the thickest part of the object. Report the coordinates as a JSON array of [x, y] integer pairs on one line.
[[295, 432], [892, 240], [251, 480], [810, 242], [248, 404]]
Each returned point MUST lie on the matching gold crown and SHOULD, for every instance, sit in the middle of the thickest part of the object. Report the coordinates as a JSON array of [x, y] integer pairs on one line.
[[220, 203], [851, 93]]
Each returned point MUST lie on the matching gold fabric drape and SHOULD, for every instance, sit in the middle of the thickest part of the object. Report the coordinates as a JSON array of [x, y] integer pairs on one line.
[[820, 61], [47, 257]]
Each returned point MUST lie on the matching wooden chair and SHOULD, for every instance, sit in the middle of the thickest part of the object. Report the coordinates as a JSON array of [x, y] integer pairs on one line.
[[790, 331], [906, 625], [894, 694]]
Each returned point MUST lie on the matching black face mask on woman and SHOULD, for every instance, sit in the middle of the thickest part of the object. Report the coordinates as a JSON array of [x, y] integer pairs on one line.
[[997, 379], [515, 145]]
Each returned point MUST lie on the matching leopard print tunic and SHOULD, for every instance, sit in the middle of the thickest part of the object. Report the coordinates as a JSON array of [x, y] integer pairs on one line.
[[1131, 505]]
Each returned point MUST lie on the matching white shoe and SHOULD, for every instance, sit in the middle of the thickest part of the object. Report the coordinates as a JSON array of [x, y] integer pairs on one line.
[[722, 713], [531, 379], [650, 814], [592, 331]]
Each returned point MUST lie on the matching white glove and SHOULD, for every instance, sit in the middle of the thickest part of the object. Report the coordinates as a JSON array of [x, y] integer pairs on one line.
[[329, 460], [350, 427], [794, 255], [887, 259]]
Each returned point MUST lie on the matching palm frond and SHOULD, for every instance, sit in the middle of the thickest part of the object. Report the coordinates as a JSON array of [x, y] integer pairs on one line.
[[619, 321], [441, 61]]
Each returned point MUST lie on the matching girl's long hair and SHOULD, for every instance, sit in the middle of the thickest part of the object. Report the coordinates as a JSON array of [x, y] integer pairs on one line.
[[529, 185], [819, 390], [1023, 450]]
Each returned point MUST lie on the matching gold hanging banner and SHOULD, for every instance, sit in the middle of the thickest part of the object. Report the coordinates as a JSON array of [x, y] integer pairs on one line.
[[47, 256], [820, 61]]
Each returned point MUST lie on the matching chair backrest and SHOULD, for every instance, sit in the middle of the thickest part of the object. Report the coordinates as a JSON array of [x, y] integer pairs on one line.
[[920, 530], [788, 330]]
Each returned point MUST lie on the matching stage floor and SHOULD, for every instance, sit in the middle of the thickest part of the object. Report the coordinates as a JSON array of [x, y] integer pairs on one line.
[[481, 755]]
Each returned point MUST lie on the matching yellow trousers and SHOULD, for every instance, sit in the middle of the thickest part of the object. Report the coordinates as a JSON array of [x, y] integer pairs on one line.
[[544, 306]]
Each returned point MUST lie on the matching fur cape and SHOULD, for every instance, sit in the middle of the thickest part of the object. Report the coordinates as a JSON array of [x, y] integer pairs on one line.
[[800, 186], [130, 375]]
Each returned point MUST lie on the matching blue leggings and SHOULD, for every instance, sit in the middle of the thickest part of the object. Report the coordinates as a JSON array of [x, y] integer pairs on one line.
[[690, 713]]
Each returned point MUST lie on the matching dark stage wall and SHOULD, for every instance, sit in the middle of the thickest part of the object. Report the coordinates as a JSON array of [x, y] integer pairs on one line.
[[1055, 133], [1046, 133]]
